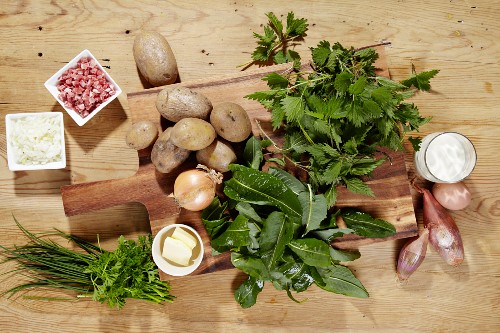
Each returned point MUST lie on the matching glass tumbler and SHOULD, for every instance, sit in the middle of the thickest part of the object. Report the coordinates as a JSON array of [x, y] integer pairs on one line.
[[445, 157]]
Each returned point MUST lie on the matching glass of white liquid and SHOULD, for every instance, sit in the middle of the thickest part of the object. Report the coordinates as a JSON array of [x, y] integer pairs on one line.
[[445, 157]]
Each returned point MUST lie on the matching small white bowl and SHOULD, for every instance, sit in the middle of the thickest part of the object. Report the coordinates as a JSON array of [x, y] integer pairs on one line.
[[51, 85], [167, 267], [12, 150]]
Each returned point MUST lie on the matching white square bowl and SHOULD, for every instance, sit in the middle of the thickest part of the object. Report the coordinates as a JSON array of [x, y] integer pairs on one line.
[[12, 151], [51, 85]]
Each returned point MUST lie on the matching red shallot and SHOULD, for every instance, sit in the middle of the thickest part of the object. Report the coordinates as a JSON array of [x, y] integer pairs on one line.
[[84, 87], [444, 235], [412, 255], [454, 196]]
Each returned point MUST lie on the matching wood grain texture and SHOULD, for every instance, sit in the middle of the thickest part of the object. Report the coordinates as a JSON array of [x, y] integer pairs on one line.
[[210, 38]]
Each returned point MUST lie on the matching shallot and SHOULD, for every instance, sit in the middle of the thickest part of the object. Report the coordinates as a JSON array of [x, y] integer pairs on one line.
[[194, 189], [454, 196], [412, 255], [444, 235]]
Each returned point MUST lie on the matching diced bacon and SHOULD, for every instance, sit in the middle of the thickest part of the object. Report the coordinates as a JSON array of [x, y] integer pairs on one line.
[[84, 87]]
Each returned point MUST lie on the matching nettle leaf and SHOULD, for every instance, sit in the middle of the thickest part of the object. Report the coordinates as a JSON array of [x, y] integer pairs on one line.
[[314, 209], [253, 266], [343, 81], [356, 185], [340, 280], [358, 86], [253, 153], [237, 234], [294, 107], [420, 80], [312, 251], [276, 24], [331, 173], [276, 81], [261, 188], [365, 225], [365, 165], [393, 85], [280, 57], [293, 183], [321, 53], [247, 292], [383, 96], [260, 53], [335, 108], [331, 195], [415, 142], [277, 116], [295, 27], [276, 233]]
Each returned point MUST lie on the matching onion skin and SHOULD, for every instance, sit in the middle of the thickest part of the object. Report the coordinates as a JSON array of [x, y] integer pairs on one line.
[[455, 196], [412, 255], [444, 235], [194, 190]]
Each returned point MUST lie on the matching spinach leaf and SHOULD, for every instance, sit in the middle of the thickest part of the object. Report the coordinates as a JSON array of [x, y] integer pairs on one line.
[[246, 294], [312, 251], [365, 225], [253, 266], [253, 153], [261, 188], [314, 209], [213, 218], [276, 234], [343, 256], [293, 183], [246, 209], [340, 280], [236, 235]]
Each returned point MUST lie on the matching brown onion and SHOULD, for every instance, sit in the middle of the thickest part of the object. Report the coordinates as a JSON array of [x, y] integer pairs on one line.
[[195, 189], [444, 235], [412, 255]]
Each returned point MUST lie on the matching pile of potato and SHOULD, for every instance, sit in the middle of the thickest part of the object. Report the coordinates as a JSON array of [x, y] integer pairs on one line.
[[198, 126]]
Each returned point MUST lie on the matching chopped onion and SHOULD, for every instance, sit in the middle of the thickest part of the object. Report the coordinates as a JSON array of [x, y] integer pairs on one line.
[[36, 139]]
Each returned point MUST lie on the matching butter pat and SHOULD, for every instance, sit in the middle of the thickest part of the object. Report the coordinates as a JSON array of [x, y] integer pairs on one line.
[[176, 251], [185, 237]]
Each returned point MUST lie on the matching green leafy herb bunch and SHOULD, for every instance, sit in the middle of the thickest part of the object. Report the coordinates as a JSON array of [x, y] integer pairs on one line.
[[336, 110]]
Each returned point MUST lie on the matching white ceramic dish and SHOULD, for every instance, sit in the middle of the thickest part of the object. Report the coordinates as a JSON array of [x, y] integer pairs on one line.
[[51, 85], [168, 267], [12, 152]]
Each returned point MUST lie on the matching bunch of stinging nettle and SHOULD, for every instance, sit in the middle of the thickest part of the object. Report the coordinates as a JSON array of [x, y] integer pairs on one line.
[[335, 116], [339, 112]]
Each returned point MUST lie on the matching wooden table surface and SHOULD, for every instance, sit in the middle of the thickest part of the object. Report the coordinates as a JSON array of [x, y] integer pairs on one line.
[[210, 38]]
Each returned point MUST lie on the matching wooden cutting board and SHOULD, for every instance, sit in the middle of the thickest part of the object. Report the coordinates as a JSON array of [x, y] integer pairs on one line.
[[392, 201]]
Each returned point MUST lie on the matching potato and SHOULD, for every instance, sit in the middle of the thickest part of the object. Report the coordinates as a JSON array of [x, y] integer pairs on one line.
[[154, 58], [192, 134], [165, 155], [142, 134], [218, 155], [175, 104], [231, 121]]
